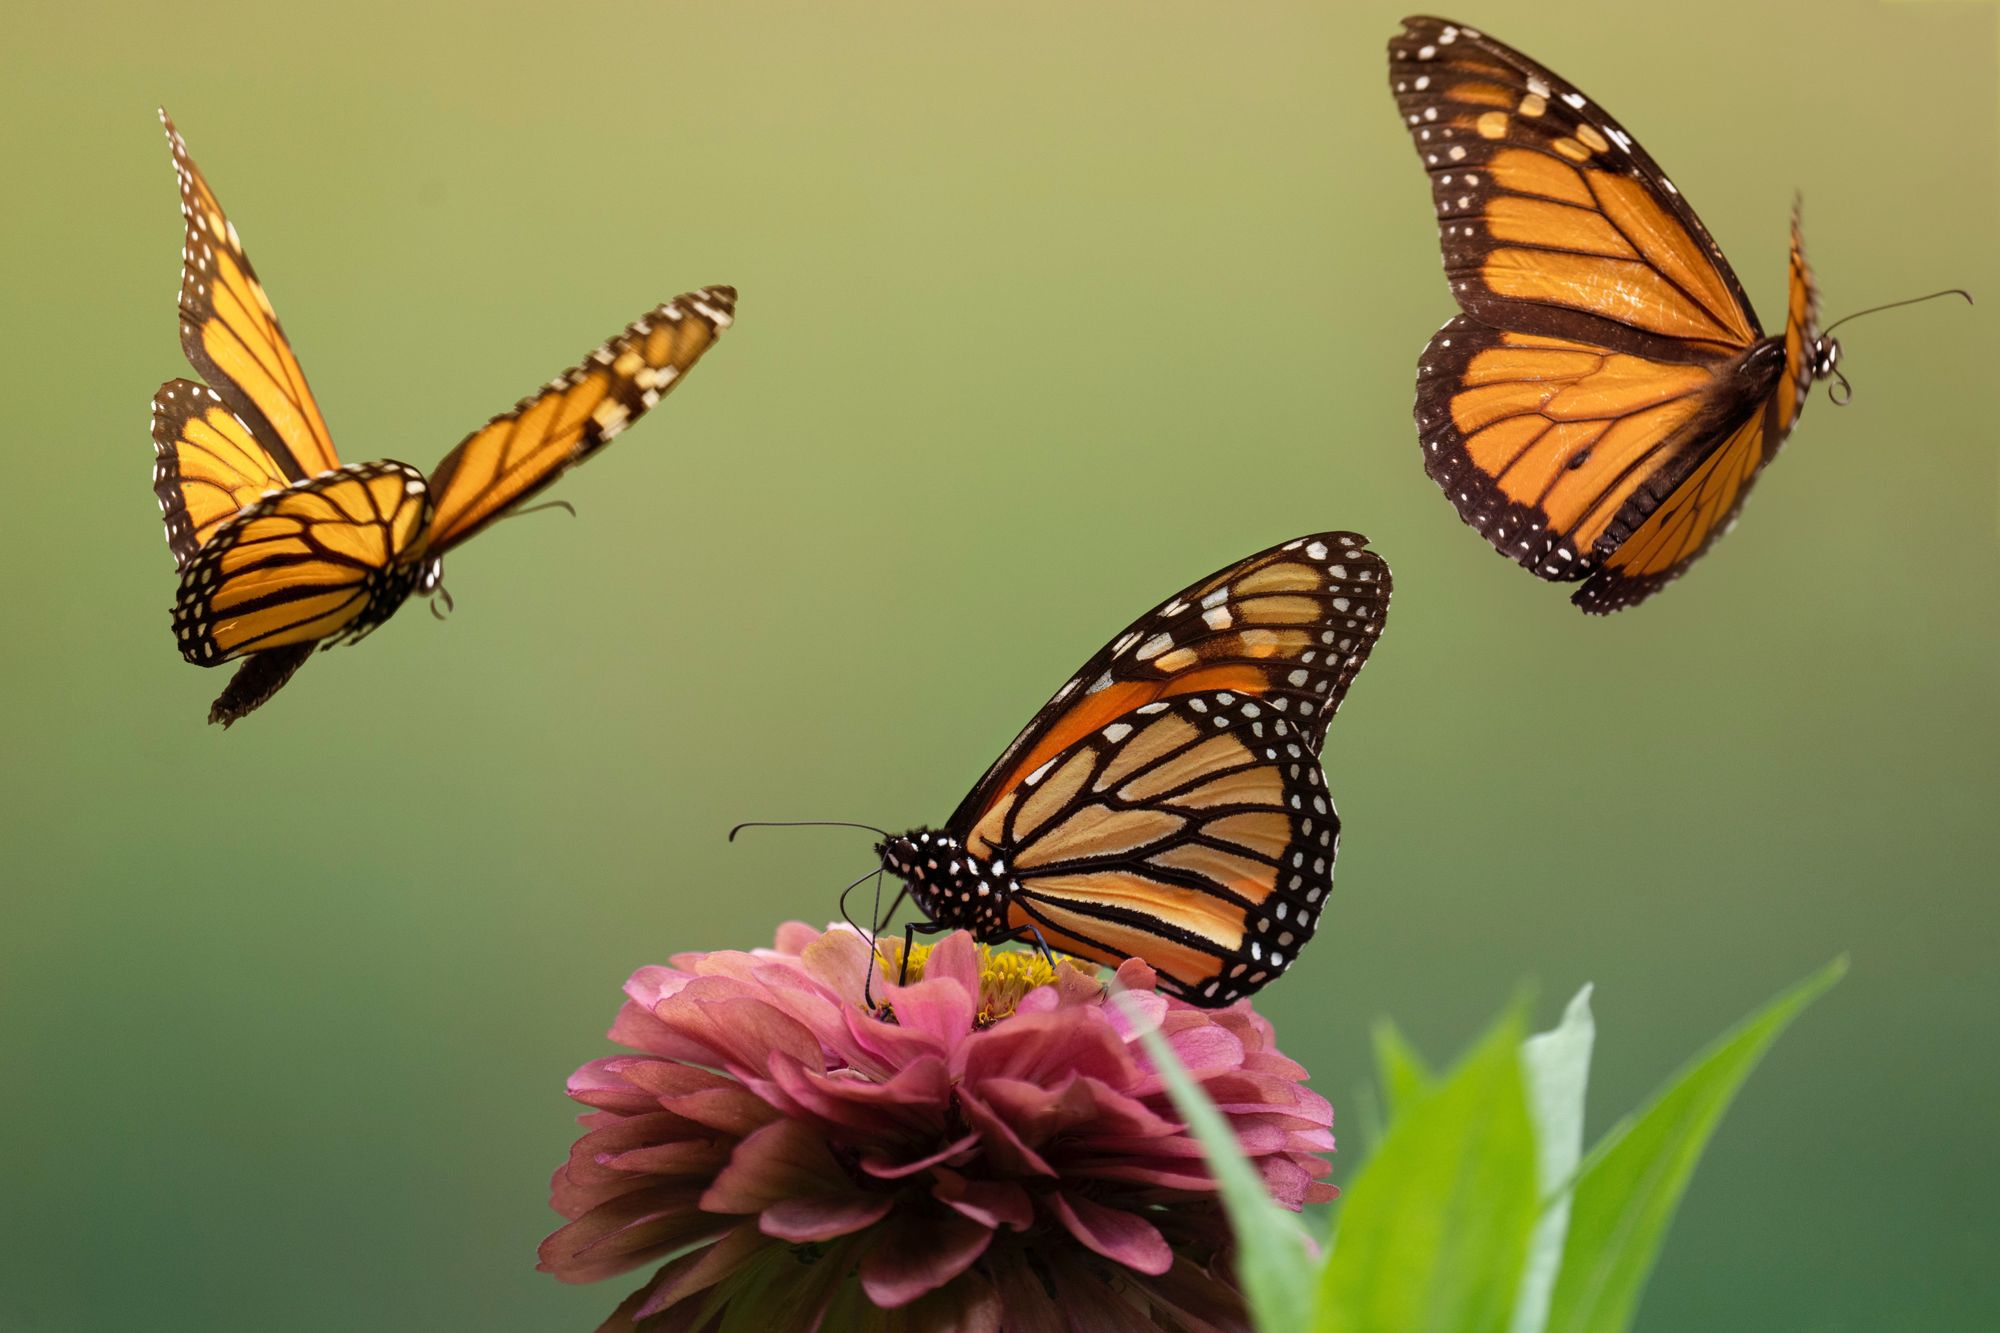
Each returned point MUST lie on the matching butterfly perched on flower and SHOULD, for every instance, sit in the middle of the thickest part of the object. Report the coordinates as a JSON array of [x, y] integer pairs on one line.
[[1167, 804], [1607, 398], [280, 546]]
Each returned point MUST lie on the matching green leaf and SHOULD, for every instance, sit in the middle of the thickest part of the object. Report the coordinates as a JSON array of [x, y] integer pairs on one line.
[[1436, 1225], [1406, 1079], [1557, 1066], [1274, 1254], [1626, 1195]]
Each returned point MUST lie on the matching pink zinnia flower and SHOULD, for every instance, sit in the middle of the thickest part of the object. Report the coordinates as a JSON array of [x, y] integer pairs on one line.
[[988, 1149]]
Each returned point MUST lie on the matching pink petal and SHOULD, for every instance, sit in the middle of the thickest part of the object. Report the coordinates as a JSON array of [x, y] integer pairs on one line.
[[938, 1008], [602, 1083], [1151, 1007], [1003, 1146], [742, 1033], [838, 960], [795, 937], [635, 1026], [955, 957], [1206, 1049], [589, 1155], [1029, 1307], [1043, 1048], [651, 984], [783, 1160], [889, 1168], [1136, 976], [1119, 1236], [1082, 1105], [699, 1271], [1200, 1298], [890, 1046], [626, 1232], [1092, 1301], [920, 1251], [825, 1217], [991, 1203], [910, 1107]]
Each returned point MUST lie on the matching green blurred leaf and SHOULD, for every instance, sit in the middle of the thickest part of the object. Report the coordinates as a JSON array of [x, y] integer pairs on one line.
[[1436, 1225], [1627, 1193], [1405, 1077], [1557, 1067], [1274, 1253]]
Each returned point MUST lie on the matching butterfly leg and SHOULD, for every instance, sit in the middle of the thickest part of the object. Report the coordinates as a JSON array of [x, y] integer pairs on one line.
[[910, 932], [1041, 945]]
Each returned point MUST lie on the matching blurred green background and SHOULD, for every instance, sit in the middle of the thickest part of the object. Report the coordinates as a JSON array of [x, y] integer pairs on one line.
[[1047, 309]]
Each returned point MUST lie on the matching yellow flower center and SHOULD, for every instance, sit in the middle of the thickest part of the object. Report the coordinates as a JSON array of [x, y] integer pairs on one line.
[[1005, 975]]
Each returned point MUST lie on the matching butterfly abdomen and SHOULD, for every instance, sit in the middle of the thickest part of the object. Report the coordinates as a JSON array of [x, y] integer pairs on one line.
[[949, 884]]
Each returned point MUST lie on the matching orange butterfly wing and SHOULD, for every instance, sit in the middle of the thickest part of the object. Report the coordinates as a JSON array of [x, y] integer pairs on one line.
[[231, 335], [207, 465], [1607, 357], [523, 450], [325, 560], [1168, 802]]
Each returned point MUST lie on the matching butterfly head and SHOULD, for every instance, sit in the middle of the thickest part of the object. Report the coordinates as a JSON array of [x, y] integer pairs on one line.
[[1824, 358], [430, 575], [949, 884]]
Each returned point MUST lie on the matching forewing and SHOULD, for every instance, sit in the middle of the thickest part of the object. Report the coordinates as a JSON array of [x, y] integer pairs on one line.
[[303, 566], [1552, 219], [1194, 832], [207, 465], [519, 452], [1802, 331], [231, 335], [1290, 625]]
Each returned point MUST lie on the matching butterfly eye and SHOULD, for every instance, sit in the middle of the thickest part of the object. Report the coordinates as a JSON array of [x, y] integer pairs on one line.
[[1826, 356], [432, 575]]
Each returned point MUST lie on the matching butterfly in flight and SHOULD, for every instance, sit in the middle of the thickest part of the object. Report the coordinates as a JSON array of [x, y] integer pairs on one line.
[[280, 546], [1604, 402], [1167, 804]]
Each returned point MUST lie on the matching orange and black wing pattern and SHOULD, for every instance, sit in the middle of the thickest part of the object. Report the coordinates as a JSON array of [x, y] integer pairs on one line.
[[231, 336], [207, 465], [323, 561], [1649, 547], [1168, 802], [1607, 357], [521, 451]]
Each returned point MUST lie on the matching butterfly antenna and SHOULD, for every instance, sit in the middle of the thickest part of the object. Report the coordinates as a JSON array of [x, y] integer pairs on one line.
[[874, 943], [563, 505], [449, 605], [1876, 309], [806, 823], [845, 915]]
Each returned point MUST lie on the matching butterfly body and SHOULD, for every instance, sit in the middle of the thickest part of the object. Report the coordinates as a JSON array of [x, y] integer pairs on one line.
[[1168, 802], [950, 885], [280, 546], [1606, 399]]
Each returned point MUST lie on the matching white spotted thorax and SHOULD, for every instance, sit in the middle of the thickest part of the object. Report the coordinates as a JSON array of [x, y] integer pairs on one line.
[[950, 885]]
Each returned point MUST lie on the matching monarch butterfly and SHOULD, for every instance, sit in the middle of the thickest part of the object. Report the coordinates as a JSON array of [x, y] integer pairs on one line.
[[280, 546], [1167, 804], [1607, 398]]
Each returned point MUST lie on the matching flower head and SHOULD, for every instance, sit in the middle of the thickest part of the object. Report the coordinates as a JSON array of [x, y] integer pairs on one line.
[[987, 1147]]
